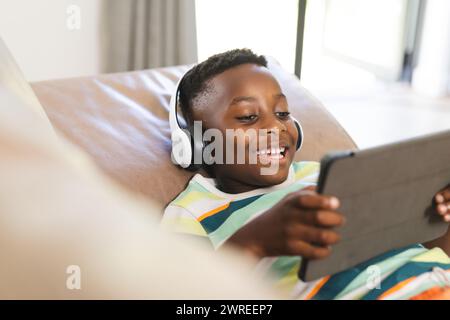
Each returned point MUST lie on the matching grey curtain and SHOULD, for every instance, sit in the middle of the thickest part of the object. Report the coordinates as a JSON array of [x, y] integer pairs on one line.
[[141, 34]]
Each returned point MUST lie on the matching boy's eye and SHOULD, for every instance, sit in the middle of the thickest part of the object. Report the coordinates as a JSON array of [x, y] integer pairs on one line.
[[283, 115], [248, 118]]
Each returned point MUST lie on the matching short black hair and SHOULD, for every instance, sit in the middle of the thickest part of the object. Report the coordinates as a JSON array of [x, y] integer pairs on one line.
[[195, 81]]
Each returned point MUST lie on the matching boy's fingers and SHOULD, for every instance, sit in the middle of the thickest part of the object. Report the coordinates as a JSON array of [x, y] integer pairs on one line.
[[314, 235], [439, 198], [443, 208], [443, 196], [307, 250], [447, 218], [316, 201], [320, 218], [446, 194]]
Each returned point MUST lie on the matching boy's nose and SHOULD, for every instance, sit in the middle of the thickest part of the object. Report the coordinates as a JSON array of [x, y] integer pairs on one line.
[[275, 125], [275, 132]]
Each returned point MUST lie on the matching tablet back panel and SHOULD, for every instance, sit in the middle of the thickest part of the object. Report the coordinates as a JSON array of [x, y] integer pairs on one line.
[[386, 194]]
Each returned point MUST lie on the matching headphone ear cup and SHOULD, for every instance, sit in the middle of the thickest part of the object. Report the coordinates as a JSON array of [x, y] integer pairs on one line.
[[300, 135], [181, 148]]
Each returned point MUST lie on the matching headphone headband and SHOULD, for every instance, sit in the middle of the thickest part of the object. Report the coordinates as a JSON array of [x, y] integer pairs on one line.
[[173, 117]]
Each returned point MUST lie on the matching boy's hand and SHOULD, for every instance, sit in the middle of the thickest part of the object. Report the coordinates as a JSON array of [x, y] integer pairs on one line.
[[299, 225], [442, 199]]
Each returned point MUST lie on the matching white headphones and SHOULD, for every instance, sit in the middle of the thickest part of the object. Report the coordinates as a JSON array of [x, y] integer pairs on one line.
[[184, 146], [181, 141]]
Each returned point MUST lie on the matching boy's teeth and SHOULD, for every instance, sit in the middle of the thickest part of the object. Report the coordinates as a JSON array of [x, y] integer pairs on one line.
[[272, 151]]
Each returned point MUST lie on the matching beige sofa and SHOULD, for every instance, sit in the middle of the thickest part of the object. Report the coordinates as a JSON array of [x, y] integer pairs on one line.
[[121, 120]]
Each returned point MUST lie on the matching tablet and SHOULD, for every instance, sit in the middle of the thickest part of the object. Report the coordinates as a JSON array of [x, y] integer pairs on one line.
[[387, 196]]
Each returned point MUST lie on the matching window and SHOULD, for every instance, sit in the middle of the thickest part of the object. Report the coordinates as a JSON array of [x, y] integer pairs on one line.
[[267, 27]]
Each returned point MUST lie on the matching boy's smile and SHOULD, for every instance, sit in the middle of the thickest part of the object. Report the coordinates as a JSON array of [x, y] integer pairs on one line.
[[248, 98]]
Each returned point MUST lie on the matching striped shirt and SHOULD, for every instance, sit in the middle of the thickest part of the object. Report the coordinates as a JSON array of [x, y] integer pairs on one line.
[[205, 211]]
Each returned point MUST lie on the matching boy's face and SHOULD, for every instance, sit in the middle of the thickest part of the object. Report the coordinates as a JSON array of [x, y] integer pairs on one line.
[[248, 97]]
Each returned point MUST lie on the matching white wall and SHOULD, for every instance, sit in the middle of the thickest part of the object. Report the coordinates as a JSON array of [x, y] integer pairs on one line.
[[39, 36]]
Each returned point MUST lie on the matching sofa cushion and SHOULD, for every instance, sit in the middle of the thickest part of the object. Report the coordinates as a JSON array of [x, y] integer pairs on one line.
[[121, 120]]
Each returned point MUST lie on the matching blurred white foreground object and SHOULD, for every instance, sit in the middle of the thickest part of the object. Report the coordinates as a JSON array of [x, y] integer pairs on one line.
[[68, 232]]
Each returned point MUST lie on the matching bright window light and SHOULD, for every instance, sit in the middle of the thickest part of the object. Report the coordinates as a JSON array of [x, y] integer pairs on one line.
[[268, 27]]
